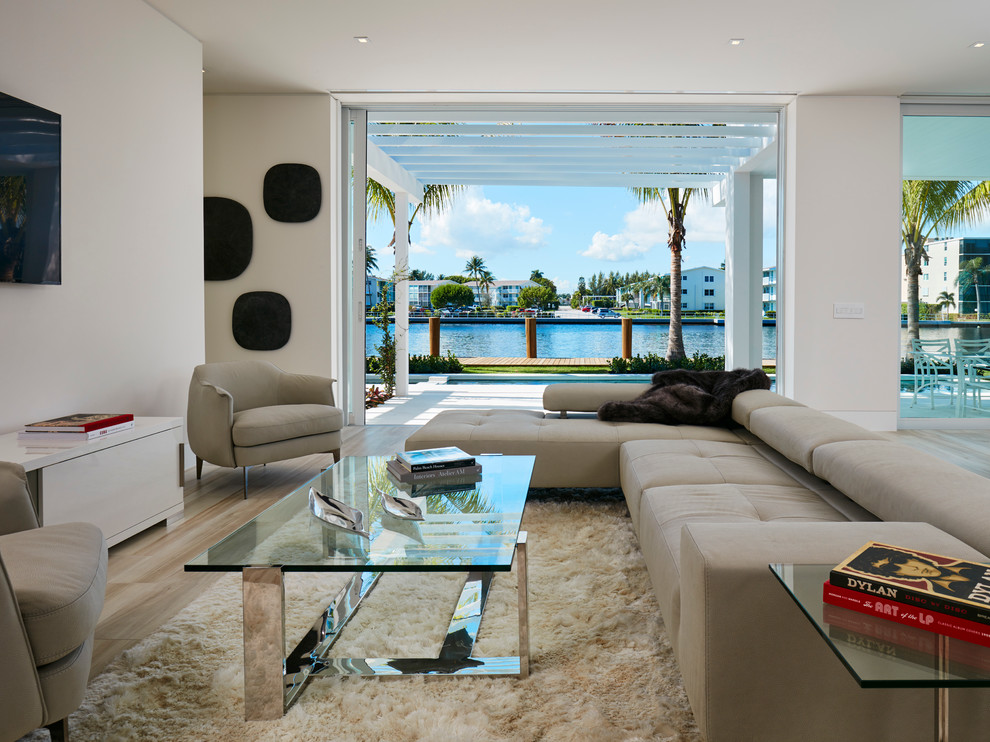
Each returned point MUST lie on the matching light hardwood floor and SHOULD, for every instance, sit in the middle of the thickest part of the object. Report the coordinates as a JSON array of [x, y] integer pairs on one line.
[[147, 584]]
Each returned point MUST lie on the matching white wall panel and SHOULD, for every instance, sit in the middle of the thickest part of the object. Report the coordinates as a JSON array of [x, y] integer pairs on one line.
[[842, 245], [244, 136], [125, 328]]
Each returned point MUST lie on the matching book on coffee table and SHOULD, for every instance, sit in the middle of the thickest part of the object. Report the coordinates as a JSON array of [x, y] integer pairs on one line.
[[428, 459], [919, 579], [462, 474]]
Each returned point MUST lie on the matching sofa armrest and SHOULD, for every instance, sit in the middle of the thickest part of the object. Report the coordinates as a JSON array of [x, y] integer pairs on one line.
[[588, 397], [16, 510], [209, 418], [305, 389], [21, 706], [754, 667]]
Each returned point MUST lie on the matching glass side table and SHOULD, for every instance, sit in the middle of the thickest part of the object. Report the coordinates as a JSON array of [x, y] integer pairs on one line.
[[884, 654]]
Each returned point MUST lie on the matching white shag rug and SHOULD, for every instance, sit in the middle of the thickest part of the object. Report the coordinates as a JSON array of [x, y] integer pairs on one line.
[[601, 669]]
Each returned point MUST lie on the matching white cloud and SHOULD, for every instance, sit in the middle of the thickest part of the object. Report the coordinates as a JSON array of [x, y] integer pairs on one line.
[[475, 225], [564, 285], [616, 247], [646, 227]]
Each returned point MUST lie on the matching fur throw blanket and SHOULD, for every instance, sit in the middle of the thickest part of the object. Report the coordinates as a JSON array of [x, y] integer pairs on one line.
[[691, 397]]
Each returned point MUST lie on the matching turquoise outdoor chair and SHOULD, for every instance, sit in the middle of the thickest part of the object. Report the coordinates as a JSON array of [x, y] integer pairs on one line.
[[933, 365]]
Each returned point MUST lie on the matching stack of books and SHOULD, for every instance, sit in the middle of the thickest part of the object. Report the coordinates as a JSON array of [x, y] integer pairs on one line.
[[915, 588], [74, 429], [436, 466]]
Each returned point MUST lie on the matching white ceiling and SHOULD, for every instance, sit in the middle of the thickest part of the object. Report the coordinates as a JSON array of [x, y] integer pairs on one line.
[[855, 47]]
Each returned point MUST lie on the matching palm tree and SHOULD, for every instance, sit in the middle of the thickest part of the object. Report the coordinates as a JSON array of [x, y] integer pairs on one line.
[[675, 202], [485, 283], [536, 274], [655, 285], [970, 274], [370, 261], [945, 300], [475, 267], [928, 205]]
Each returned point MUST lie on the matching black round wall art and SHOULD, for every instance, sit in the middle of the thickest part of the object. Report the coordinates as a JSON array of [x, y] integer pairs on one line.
[[292, 192], [227, 238], [261, 320]]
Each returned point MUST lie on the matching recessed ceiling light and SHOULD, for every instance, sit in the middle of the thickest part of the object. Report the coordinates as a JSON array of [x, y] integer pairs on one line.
[[361, 39], [736, 42], [977, 45]]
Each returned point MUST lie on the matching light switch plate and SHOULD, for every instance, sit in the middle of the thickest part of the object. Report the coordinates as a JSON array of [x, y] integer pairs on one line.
[[848, 310]]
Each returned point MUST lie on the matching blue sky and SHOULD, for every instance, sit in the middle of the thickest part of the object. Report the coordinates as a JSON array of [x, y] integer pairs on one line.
[[566, 232]]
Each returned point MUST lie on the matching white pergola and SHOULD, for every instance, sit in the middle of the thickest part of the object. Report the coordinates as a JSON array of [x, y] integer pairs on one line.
[[727, 151]]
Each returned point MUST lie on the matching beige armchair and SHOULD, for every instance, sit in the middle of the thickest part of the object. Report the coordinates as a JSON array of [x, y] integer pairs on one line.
[[52, 585], [245, 413]]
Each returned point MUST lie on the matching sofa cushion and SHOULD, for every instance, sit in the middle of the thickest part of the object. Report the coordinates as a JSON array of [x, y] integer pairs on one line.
[[746, 402], [588, 397], [261, 425], [579, 452], [647, 464], [897, 482], [59, 575], [664, 511], [797, 431]]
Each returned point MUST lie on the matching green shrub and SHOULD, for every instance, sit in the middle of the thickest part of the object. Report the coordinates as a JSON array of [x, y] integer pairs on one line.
[[652, 363], [448, 364]]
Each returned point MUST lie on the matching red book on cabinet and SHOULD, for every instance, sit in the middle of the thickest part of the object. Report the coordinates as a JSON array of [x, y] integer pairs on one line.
[[81, 422]]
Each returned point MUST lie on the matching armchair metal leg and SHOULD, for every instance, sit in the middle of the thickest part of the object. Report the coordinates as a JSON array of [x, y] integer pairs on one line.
[[59, 730], [246, 481], [199, 467]]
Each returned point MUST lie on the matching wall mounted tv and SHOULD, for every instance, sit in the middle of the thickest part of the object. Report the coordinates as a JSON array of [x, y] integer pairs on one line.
[[30, 202]]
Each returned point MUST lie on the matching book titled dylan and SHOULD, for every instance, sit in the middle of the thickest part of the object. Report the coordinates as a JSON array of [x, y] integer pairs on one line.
[[449, 457], [932, 582], [81, 422]]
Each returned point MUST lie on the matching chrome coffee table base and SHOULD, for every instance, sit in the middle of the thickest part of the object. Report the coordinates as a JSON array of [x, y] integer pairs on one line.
[[273, 681]]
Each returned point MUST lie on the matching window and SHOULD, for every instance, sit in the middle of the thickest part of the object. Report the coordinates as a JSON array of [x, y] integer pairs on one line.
[[684, 292], [945, 261], [709, 292], [709, 279], [683, 305], [945, 276], [684, 278], [709, 306]]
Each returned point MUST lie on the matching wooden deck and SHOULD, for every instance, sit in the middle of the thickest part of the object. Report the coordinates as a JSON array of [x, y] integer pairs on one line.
[[507, 361]]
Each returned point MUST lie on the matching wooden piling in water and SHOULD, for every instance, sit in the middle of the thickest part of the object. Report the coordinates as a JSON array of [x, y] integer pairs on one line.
[[626, 337], [531, 337], [434, 336]]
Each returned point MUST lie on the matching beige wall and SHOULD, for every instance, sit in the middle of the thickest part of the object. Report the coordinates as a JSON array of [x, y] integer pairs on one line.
[[842, 244], [125, 328], [244, 136]]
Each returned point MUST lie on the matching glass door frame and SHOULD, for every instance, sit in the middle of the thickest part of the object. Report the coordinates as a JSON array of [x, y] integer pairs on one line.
[[942, 106]]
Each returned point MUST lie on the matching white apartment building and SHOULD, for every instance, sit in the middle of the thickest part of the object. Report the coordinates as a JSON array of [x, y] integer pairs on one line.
[[940, 273], [501, 294], [703, 289], [770, 289]]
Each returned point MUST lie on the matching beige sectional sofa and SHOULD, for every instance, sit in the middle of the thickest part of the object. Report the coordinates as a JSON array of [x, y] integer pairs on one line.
[[712, 507]]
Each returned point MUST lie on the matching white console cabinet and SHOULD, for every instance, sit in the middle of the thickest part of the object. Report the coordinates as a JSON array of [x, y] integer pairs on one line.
[[123, 483]]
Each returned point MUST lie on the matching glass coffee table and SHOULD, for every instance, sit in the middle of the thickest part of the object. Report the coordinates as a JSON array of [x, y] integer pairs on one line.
[[884, 654], [471, 528]]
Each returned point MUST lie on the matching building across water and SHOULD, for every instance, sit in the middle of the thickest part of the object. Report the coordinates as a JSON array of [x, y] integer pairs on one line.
[[940, 273]]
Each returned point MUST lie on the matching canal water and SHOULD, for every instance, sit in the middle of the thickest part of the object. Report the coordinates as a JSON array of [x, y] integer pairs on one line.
[[591, 340], [584, 340]]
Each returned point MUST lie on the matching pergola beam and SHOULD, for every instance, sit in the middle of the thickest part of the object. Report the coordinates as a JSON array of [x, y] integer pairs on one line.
[[572, 130], [392, 175]]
